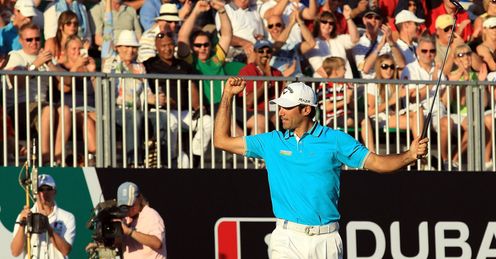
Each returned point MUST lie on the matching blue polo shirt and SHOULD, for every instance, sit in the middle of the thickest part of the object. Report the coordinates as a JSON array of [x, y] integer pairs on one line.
[[9, 39], [304, 176]]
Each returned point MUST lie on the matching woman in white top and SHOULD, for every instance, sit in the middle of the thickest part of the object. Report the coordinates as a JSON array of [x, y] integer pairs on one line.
[[383, 98], [328, 43]]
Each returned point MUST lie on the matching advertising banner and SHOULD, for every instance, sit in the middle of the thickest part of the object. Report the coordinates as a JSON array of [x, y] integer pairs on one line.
[[227, 213]]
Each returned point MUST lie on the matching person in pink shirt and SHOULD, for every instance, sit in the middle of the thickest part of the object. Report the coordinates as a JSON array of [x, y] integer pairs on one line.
[[143, 228]]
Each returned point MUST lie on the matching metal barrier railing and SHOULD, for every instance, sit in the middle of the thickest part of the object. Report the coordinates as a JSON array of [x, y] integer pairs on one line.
[[114, 133]]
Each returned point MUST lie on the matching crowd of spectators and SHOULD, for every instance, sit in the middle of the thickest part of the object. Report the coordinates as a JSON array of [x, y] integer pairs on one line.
[[370, 39]]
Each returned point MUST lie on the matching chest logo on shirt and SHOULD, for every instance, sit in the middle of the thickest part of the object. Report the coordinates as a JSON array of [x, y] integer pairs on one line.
[[285, 152]]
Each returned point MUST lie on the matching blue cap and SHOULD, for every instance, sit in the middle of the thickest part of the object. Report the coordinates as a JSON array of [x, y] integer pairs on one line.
[[262, 43], [46, 179], [127, 194]]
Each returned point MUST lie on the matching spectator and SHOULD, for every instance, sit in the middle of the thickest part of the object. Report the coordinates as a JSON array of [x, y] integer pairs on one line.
[[490, 8], [255, 97], [125, 18], [24, 12], [373, 44], [425, 68], [487, 49], [288, 54], [328, 43], [408, 27], [201, 57], [463, 23], [444, 23], [76, 61], [247, 28], [334, 100], [67, 26], [143, 228], [166, 63], [383, 98], [464, 72], [56, 8], [123, 61], [284, 9], [31, 58], [61, 230], [150, 11], [335, 7], [167, 22]]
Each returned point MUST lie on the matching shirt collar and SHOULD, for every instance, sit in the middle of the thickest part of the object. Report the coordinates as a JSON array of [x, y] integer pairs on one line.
[[315, 131]]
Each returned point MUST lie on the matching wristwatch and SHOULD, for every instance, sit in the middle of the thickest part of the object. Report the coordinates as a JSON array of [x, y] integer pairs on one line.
[[32, 67]]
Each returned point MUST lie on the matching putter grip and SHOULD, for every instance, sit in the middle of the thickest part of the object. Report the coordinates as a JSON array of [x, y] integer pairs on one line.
[[425, 129]]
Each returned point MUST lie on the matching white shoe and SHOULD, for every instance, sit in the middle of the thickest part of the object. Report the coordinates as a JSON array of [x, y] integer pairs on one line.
[[488, 166]]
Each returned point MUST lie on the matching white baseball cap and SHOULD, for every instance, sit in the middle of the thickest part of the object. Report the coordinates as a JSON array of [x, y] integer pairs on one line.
[[168, 12], [26, 7], [407, 16], [127, 38], [296, 94]]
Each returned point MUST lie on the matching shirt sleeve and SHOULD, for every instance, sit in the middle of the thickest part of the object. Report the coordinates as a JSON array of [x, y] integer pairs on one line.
[[255, 145], [50, 22], [147, 15], [351, 152], [97, 19], [70, 232]]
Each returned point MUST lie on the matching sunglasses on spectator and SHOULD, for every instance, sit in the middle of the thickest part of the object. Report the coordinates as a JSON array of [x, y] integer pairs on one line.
[[262, 51], [199, 45], [278, 25], [432, 51], [71, 23], [45, 188], [463, 54], [162, 35], [447, 29], [372, 16], [327, 22], [176, 22], [386, 66], [412, 4], [37, 39]]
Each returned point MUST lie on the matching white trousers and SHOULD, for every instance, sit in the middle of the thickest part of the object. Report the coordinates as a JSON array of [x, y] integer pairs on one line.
[[201, 136], [289, 244]]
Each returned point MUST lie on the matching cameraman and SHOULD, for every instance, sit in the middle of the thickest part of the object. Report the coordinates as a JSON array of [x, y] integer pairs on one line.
[[143, 228], [61, 228]]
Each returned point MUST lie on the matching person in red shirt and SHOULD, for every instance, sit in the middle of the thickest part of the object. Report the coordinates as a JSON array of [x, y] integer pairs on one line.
[[261, 67], [463, 24]]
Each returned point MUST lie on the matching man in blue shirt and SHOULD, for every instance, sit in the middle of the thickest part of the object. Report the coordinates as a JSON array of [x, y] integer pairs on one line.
[[24, 11], [304, 165]]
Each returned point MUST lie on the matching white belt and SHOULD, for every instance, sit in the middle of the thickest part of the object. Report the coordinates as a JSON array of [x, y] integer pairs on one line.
[[306, 229]]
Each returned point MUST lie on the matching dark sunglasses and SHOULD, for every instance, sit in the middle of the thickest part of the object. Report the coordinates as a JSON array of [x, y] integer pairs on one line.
[[278, 25], [327, 22], [432, 51], [412, 4], [463, 54], [45, 189], [199, 45], [71, 23], [37, 39], [176, 22], [162, 35], [262, 51], [447, 29], [372, 16], [386, 66]]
